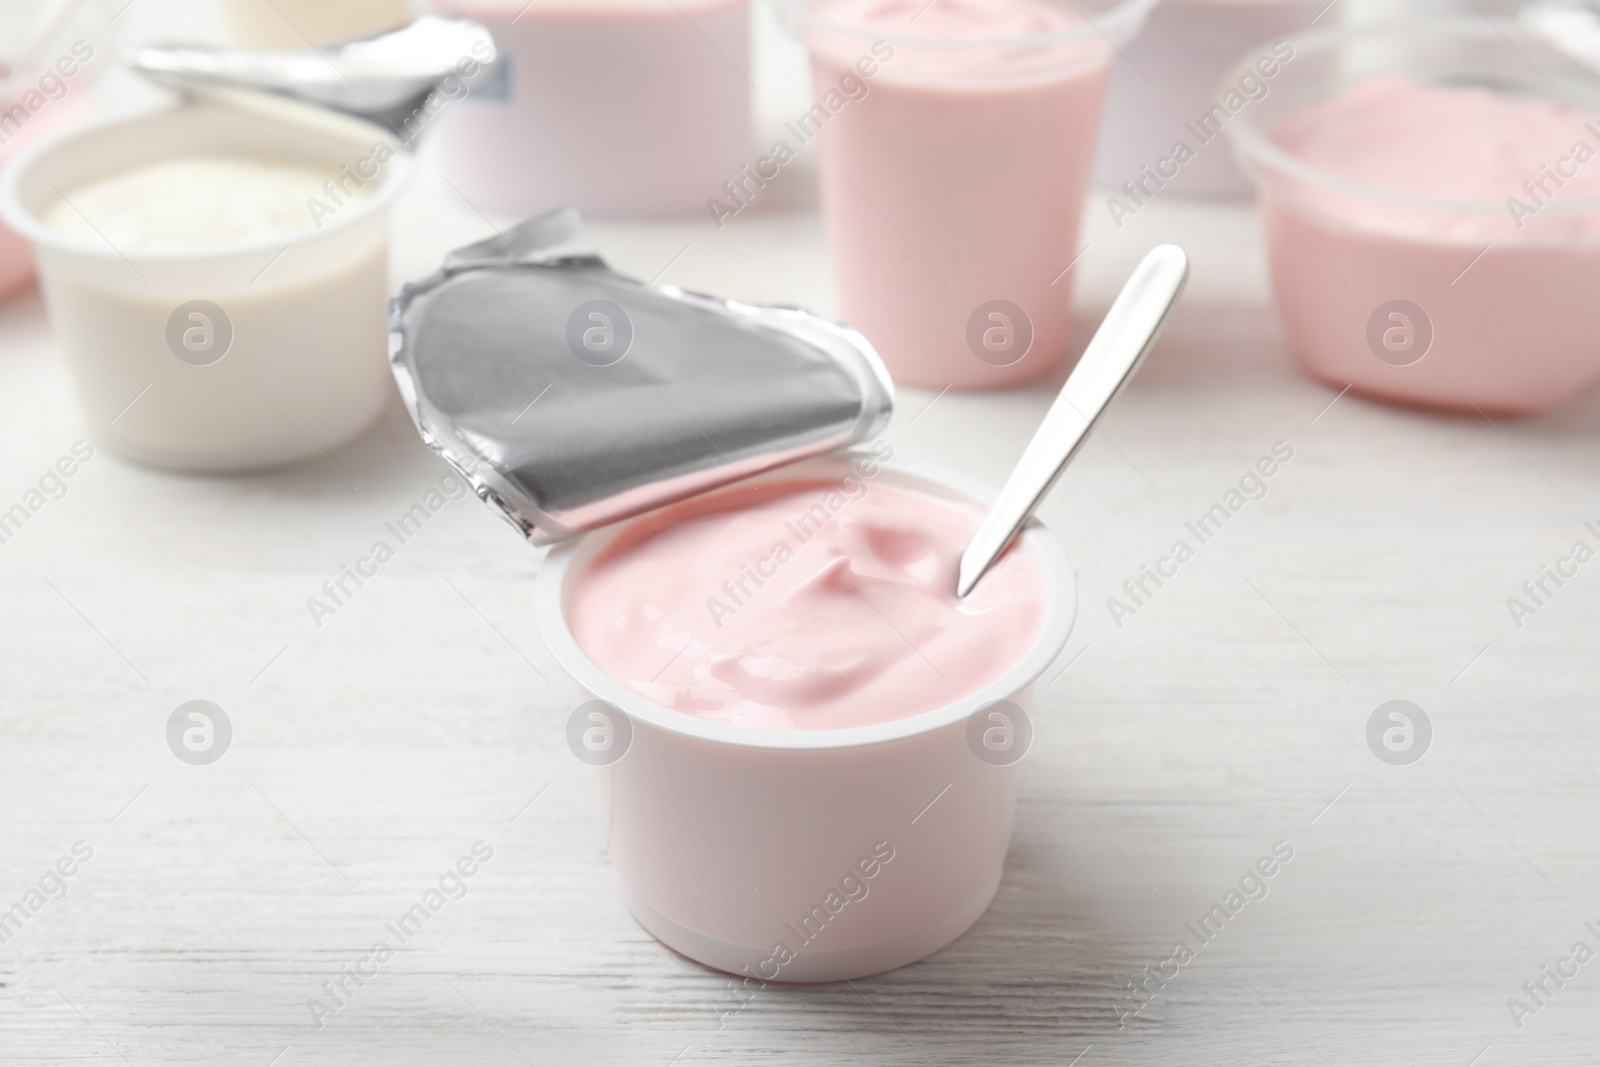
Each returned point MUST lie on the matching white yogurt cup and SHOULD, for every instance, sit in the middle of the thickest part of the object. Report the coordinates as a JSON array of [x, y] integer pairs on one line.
[[729, 840], [620, 108], [226, 358]]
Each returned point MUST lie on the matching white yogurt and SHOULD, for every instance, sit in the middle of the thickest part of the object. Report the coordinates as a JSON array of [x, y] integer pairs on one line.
[[200, 202], [216, 280]]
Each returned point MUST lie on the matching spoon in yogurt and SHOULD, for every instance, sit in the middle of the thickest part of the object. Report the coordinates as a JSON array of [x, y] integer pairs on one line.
[[1120, 345]]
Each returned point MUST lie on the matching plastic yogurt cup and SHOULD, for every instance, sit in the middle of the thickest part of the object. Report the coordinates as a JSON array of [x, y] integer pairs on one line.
[[1163, 90], [811, 855], [1432, 212], [955, 154], [217, 280], [620, 108], [16, 254], [297, 24], [56, 92]]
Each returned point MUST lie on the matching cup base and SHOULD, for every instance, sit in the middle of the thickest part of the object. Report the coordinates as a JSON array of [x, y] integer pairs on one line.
[[262, 459], [813, 965]]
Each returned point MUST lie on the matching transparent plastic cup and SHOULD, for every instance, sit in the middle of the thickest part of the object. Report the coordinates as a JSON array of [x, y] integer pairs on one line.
[[953, 177], [237, 357], [728, 841], [47, 73], [1424, 300]]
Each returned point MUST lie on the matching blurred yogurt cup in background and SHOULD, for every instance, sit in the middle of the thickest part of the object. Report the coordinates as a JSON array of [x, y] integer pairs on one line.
[[818, 777], [621, 108], [955, 153], [1378, 11], [1432, 212], [298, 24], [217, 280], [1163, 92], [50, 57]]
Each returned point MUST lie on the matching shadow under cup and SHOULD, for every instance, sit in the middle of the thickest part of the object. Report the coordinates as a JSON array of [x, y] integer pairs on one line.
[[808, 856], [953, 173]]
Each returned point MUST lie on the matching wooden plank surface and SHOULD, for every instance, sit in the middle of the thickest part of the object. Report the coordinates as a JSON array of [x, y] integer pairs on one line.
[[1226, 715]]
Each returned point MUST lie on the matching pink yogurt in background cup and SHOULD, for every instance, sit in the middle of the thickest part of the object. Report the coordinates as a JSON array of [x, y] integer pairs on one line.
[[957, 140], [16, 253], [52, 95], [820, 784], [1432, 212]]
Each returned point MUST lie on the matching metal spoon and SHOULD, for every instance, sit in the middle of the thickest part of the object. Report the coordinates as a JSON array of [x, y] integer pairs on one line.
[[384, 79], [1125, 337]]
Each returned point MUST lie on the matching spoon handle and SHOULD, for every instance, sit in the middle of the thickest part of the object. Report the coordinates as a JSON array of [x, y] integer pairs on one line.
[[1125, 337]]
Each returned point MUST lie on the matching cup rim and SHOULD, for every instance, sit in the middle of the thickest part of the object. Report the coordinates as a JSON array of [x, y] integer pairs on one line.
[[1118, 23], [1258, 152], [16, 215], [1060, 610]]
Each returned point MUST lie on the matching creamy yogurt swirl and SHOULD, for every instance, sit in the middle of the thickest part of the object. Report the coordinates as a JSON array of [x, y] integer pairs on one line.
[[809, 605]]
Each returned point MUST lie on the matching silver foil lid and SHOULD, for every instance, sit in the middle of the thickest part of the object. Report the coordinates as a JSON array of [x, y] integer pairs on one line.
[[386, 79], [572, 396]]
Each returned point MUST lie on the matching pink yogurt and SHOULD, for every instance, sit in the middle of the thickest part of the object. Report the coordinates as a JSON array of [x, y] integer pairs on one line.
[[953, 189], [733, 843], [805, 605], [1436, 244]]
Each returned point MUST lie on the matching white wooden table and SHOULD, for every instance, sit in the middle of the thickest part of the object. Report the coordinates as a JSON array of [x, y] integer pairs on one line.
[[1227, 715]]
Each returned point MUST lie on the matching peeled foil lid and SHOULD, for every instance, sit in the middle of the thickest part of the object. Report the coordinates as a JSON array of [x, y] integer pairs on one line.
[[571, 396], [386, 79]]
